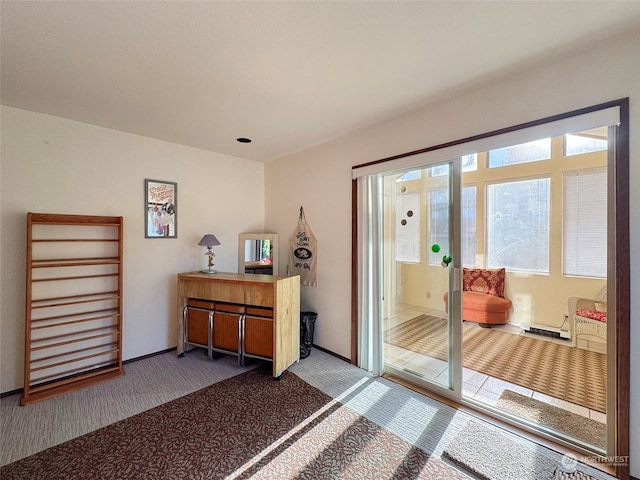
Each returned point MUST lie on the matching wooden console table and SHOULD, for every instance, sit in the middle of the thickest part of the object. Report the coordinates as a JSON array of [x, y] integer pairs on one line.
[[280, 296]]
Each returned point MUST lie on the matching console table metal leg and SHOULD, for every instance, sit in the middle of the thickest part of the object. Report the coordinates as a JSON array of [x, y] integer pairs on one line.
[[210, 335], [185, 317], [241, 340]]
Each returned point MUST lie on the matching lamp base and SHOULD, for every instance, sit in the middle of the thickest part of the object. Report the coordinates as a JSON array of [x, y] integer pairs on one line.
[[208, 271]]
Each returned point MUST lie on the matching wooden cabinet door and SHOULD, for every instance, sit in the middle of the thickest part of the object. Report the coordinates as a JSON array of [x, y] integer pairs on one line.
[[226, 328], [258, 332], [198, 326], [198, 321]]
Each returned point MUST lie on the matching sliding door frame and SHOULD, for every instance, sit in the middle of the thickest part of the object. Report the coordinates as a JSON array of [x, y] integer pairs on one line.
[[621, 262]]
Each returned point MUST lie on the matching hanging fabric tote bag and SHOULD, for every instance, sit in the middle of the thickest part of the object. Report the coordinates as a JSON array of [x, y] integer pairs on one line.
[[303, 252]]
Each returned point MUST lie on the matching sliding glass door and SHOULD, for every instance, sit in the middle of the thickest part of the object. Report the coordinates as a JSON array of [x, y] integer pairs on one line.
[[421, 321], [536, 214]]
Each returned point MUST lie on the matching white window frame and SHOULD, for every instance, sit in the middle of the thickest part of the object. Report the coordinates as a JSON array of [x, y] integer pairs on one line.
[[489, 260]]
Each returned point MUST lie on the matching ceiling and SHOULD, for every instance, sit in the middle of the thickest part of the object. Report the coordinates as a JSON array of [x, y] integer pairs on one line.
[[288, 75]]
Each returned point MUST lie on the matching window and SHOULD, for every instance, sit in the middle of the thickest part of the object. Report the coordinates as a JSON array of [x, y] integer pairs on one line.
[[439, 228], [523, 153], [412, 175], [518, 225], [438, 200], [408, 227], [579, 144], [469, 226], [469, 164], [440, 170], [584, 238]]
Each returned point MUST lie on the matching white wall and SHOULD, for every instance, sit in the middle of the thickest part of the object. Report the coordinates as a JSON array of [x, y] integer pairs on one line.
[[320, 178], [53, 165]]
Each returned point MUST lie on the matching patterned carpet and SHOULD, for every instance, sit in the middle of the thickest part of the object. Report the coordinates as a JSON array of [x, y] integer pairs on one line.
[[248, 426], [572, 374]]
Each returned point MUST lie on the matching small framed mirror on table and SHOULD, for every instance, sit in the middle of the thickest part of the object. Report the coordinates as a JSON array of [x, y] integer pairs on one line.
[[258, 253]]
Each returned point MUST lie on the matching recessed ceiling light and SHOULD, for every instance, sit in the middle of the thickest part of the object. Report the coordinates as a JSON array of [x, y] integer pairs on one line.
[[243, 140]]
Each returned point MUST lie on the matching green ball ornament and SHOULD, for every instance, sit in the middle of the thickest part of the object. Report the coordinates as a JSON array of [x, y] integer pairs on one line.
[[435, 248]]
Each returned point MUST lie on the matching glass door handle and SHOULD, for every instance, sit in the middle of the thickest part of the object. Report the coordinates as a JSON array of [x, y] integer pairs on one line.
[[456, 279]]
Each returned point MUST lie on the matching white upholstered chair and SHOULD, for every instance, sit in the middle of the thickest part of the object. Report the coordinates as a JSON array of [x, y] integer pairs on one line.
[[588, 316]]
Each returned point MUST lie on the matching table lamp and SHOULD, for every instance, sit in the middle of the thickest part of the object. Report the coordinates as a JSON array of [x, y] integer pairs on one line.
[[209, 241]]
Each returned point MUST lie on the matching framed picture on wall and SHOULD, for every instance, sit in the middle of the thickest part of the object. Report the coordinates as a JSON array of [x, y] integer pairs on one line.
[[161, 209]]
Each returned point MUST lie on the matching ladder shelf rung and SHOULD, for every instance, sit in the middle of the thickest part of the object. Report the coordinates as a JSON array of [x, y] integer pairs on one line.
[[79, 277], [73, 263], [75, 340], [72, 360], [71, 352], [68, 315], [74, 322], [47, 240], [104, 297]]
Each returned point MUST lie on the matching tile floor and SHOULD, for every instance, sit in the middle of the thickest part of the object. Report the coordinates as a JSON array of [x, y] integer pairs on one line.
[[475, 385]]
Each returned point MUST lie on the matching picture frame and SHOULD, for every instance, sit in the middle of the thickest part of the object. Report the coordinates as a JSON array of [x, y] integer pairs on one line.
[[160, 209]]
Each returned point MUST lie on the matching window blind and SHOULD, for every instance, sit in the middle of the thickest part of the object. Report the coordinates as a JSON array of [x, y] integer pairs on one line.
[[584, 235], [408, 227]]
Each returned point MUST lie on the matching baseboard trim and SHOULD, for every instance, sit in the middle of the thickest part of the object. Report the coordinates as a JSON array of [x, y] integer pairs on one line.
[[333, 354], [149, 355], [11, 392]]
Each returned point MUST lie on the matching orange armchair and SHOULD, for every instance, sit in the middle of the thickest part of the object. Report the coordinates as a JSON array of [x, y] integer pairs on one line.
[[483, 298]]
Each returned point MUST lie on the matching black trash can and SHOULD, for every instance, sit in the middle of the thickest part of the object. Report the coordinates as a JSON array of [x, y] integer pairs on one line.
[[307, 324]]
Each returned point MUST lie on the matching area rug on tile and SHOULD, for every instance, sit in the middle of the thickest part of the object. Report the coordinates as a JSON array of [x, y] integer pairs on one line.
[[494, 454], [577, 475], [491, 453], [248, 426], [572, 374], [559, 419]]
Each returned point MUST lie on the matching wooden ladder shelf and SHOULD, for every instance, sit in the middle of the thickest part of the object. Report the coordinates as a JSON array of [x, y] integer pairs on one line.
[[73, 320]]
